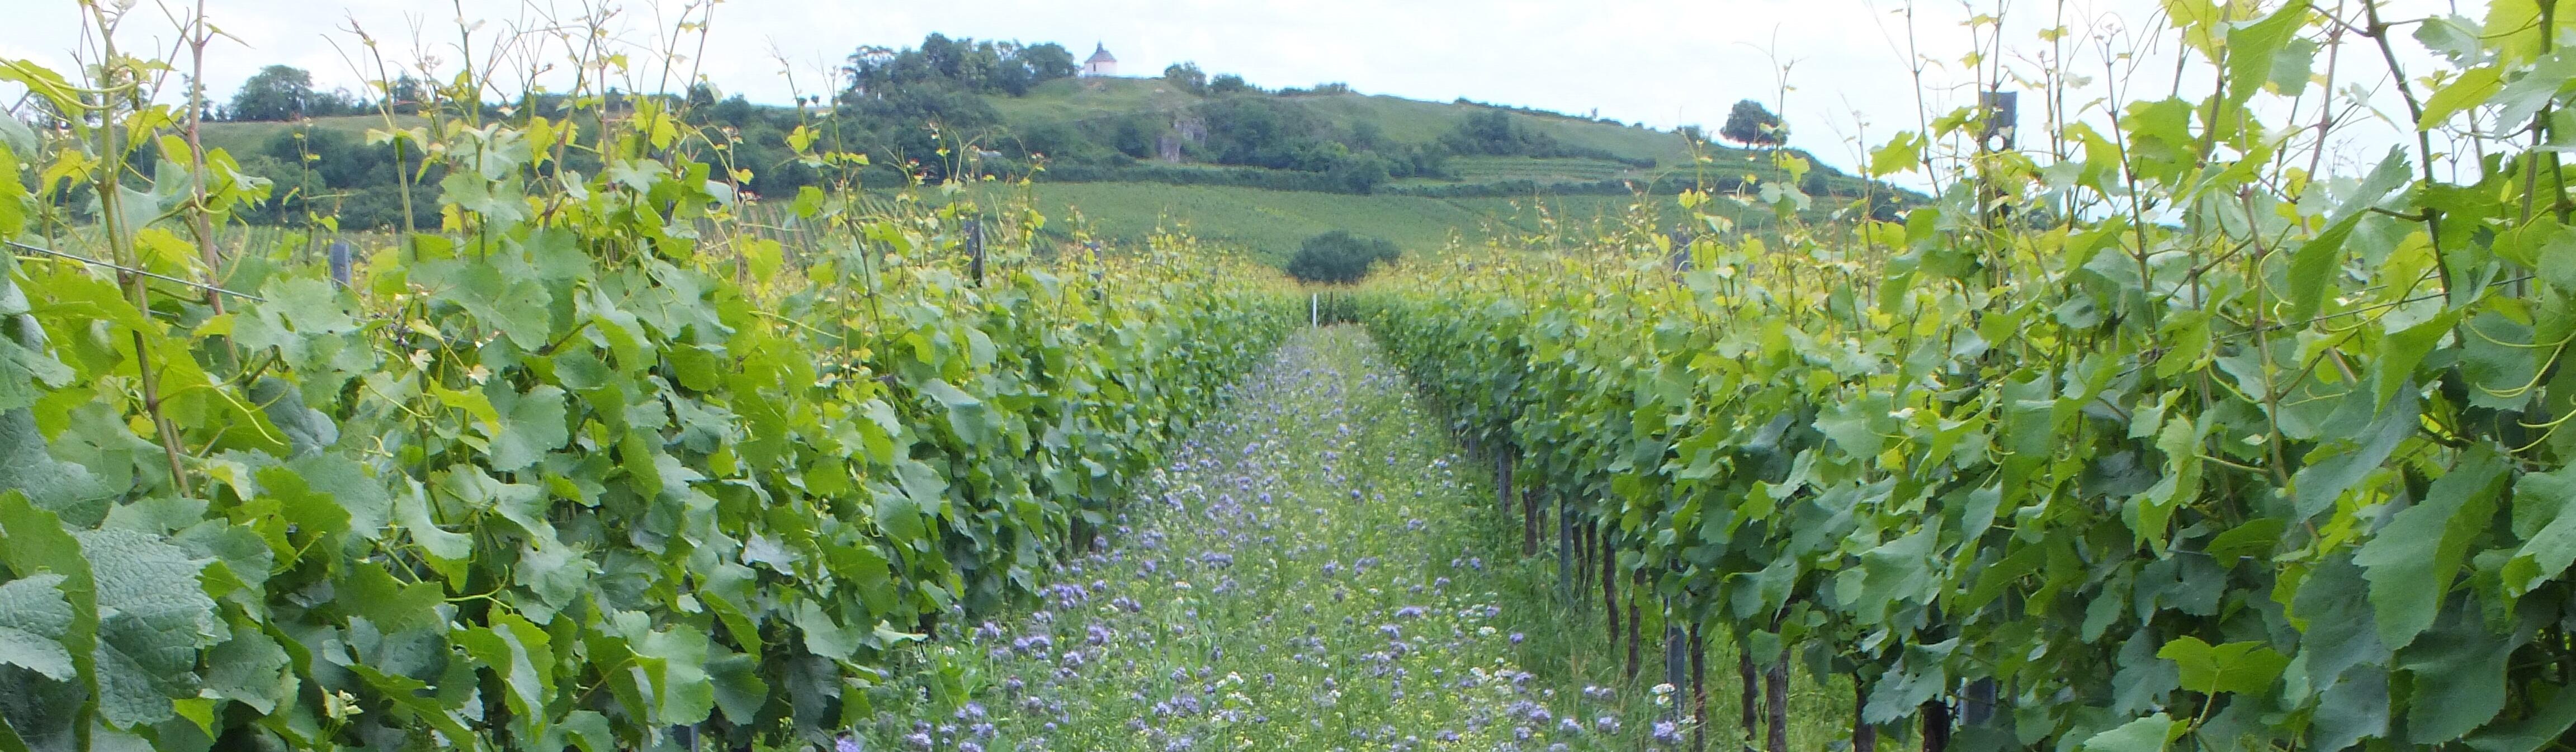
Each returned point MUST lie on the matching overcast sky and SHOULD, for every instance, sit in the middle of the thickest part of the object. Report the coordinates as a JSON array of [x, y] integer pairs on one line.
[[1661, 62]]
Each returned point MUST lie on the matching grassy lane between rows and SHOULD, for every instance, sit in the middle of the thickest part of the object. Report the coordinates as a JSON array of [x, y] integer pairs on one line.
[[1318, 569]]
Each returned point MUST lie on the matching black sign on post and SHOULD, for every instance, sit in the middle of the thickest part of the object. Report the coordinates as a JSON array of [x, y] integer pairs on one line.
[[340, 262], [2001, 111]]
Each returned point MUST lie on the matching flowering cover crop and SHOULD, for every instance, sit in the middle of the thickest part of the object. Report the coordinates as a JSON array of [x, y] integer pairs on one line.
[[1312, 570]]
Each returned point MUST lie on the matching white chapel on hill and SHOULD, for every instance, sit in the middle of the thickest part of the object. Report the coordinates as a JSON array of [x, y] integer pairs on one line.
[[1101, 63]]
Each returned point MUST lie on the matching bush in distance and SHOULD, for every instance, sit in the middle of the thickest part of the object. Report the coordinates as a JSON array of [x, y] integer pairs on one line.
[[1338, 257]]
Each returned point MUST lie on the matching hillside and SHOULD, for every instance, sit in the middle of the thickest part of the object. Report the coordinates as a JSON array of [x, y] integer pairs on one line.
[[1254, 169], [1594, 155]]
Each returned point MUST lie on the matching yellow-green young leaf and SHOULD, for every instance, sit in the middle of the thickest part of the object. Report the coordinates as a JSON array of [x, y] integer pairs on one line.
[[45, 83], [2512, 29], [13, 193], [2200, 22], [2253, 49], [2150, 734], [1904, 152], [2240, 667], [2471, 89], [162, 248]]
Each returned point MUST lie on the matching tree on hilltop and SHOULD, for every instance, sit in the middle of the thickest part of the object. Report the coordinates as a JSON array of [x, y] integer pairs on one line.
[[1186, 77], [1751, 124], [284, 92]]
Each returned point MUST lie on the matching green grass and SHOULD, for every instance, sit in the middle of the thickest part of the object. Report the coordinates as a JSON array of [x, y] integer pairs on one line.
[[1271, 224], [1073, 99], [1542, 171], [245, 138], [1318, 568]]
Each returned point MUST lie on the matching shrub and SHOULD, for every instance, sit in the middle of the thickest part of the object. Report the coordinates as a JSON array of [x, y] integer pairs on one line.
[[1338, 257]]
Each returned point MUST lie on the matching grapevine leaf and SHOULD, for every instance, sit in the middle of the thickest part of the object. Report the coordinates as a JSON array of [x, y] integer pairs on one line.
[[2342, 631], [2454, 36], [153, 619], [1912, 680], [2498, 360], [33, 618], [251, 669], [309, 305], [2546, 552], [587, 729], [967, 415], [24, 360], [1904, 152], [2535, 89], [345, 484], [2151, 512], [500, 202], [16, 138], [33, 542], [520, 653], [531, 425], [2326, 478], [678, 656], [2352, 710], [2257, 537], [2461, 663], [448, 551], [2150, 734], [2390, 175], [556, 574], [43, 81], [1850, 426], [2240, 667], [886, 635], [2403, 349], [308, 431], [367, 590], [2558, 262], [2412, 561], [2318, 264], [517, 306], [2254, 49], [2549, 718], [898, 514], [824, 636], [1896, 570], [2471, 88], [27, 467], [739, 691], [404, 693]]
